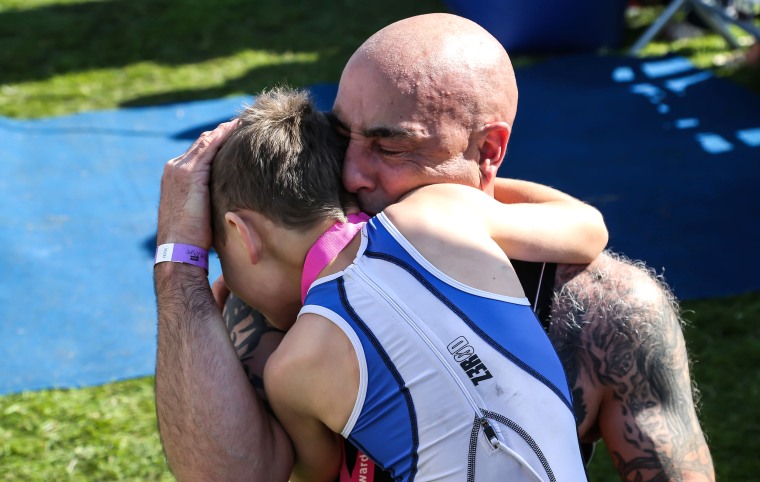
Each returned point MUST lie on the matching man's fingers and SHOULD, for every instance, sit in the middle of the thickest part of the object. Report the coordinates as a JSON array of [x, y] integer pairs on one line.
[[183, 212], [215, 137], [205, 147]]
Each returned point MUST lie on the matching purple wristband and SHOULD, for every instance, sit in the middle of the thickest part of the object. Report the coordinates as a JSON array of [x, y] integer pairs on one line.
[[182, 253]]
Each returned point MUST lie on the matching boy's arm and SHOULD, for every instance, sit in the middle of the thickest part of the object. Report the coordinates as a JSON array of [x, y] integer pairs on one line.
[[533, 222], [514, 191], [305, 384], [558, 232]]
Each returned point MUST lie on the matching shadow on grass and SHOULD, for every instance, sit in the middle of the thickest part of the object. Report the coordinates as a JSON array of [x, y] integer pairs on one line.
[[39, 43], [296, 74]]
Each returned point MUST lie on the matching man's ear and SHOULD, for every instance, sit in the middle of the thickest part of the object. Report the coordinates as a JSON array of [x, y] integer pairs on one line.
[[246, 234], [493, 148]]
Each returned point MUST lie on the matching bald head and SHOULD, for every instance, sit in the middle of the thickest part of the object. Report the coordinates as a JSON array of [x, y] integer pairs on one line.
[[451, 65], [428, 99]]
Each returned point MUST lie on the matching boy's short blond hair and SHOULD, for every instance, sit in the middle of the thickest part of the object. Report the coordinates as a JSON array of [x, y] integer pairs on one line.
[[284, 160]]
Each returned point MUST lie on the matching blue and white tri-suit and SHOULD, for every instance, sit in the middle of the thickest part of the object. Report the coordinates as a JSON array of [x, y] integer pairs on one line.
[[456, 383]]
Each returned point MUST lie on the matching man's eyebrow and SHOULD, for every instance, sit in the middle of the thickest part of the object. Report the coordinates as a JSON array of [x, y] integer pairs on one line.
[[380, 131], [389, 132]]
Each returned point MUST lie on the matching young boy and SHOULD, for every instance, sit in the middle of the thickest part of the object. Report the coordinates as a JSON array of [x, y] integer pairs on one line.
[[414, 339]]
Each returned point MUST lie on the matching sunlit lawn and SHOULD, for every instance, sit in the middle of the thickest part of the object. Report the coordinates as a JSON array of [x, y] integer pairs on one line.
[[60, 57]]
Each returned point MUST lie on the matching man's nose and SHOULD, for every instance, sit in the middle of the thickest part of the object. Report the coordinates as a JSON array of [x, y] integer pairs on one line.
[[357, 168]]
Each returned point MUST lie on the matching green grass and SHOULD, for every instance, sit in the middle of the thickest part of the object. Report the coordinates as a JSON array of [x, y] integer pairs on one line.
[[70, 56], [725, 338], [101, 433], [65, 56]]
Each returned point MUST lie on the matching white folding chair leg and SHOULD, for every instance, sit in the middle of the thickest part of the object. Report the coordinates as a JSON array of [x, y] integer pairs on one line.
[[748, 27], [658, 25], [715, 22], [715, 17]]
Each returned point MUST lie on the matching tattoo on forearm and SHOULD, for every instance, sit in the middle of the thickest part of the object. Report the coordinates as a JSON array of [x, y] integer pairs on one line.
[[632, 469], [622, 334], [246, 327]]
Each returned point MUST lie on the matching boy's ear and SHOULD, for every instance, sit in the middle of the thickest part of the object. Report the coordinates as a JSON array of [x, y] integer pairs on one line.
[[492, 151], [246, 234]]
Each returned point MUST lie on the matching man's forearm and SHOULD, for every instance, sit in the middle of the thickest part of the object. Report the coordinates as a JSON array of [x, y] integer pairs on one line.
[[212, 424]]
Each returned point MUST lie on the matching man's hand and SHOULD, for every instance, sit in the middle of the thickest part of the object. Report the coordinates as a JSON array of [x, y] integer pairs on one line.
[[212, 424], [184, 214]]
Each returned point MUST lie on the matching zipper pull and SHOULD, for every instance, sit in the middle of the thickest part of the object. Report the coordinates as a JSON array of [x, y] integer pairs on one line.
[[497, 444], [490, 433]]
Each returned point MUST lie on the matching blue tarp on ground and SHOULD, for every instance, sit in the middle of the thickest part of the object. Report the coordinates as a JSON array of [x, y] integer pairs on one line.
[[668, 153]]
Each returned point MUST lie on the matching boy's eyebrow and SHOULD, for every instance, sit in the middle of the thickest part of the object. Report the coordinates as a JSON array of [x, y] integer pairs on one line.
[[381, 131]]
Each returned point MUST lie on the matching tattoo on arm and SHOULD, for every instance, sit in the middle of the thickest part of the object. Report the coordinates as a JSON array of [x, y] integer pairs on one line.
[[247, 328], [568, 321], [624, 334]]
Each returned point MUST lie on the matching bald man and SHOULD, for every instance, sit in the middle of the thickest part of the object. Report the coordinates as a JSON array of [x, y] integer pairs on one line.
[[419, 100]]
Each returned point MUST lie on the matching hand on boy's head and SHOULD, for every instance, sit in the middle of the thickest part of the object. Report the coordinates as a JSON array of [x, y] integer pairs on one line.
[[184, 212]]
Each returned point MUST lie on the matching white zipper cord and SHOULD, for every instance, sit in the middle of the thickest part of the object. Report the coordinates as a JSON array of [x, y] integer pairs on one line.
[[498, 444]]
